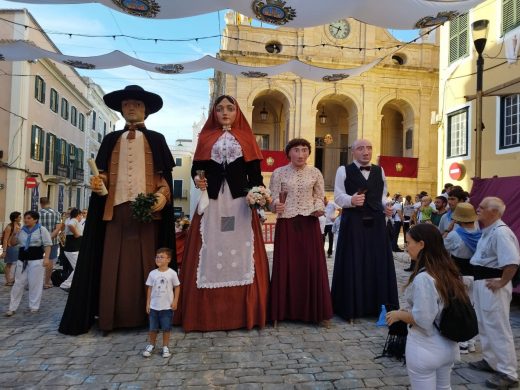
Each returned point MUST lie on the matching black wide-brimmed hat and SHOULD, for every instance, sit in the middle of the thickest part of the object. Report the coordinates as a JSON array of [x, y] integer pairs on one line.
[[152, 101]]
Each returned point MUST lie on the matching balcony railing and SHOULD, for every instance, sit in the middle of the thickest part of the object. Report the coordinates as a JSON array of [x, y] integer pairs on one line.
[[61, 170], [78, 174]]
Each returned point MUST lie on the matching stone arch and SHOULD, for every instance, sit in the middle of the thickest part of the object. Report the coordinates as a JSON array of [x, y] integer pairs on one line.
[[270, 119], [397, 126], [262, 88], [336, 120]]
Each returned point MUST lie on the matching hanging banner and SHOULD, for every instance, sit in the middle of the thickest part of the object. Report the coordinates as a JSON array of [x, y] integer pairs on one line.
[[24, 51], [399, 166], [35, 197], [273, 159], [399, 14]]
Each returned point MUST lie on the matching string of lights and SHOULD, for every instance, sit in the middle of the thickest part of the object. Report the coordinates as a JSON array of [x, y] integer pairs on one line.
[[220, 36]]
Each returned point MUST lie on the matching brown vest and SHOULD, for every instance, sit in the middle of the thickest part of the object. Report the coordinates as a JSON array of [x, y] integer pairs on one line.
[[154, 180]]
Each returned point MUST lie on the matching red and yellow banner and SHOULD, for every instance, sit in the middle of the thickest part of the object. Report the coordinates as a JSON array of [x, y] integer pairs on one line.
[[399, 166], [273, 159]]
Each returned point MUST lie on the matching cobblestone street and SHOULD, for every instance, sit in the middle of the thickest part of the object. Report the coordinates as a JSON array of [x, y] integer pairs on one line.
[[293, 356]]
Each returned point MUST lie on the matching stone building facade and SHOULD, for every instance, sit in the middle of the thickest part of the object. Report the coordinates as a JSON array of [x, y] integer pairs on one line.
[[391, 104]]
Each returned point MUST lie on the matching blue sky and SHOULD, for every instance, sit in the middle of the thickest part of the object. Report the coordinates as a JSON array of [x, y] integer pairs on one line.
[[184, 95]]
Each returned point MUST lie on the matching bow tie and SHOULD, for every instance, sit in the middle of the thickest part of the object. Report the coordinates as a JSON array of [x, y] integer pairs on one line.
[[367, 168], [132, 127]]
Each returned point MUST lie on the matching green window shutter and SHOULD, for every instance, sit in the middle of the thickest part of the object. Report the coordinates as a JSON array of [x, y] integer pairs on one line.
[[43, 91], [47, 153], [65, 152], [57, 149], [36, 82], [41, 140], [510, 15], [459, 38], [33, 141]]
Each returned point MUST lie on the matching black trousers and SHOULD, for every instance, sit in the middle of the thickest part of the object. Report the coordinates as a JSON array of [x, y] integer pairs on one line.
[[328, 232], [397, 230]]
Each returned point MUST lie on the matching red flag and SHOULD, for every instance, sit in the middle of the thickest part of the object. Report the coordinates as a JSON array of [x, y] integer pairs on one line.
[[399, 166], [273, 159]]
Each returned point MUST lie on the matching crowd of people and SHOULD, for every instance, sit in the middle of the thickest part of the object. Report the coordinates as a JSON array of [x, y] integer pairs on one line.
[[32, 244], [124, 271]]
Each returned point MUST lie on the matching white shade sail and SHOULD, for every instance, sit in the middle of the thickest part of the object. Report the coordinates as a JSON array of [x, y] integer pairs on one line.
[[25, 51], [399, 14]]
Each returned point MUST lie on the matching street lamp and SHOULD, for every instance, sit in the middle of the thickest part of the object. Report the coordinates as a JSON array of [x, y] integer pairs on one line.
[[264, 114], [479, 30], [323, 117]]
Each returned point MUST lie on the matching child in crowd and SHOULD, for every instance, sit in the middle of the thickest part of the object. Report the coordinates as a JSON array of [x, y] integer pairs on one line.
[[162, 296], [426, 210]]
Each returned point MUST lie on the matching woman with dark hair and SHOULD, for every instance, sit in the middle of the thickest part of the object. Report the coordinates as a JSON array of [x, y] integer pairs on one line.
[[429, 355], [34, 244], [73, 234], [299, 284], [10, 253], [225, 273]]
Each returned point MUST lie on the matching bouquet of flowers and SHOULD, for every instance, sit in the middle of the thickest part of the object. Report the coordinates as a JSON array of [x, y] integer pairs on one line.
[[259, 198], [142, 207]]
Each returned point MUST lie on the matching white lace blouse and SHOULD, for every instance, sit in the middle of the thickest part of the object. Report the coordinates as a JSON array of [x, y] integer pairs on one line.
[[305, 190], [227, 149]]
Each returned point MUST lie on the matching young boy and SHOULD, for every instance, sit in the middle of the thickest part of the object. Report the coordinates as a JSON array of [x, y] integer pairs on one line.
[[162, 296]]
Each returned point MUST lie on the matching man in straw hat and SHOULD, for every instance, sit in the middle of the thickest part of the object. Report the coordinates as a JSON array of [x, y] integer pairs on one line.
[[495, 262], [118, 251]]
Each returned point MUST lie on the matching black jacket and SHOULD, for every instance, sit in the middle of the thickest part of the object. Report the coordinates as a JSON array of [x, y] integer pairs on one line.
[[83, 299], [241, 176]]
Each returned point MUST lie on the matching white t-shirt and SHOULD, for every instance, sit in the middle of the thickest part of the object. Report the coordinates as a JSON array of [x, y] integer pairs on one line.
[[395, 208], [73, 222], [162, 284]]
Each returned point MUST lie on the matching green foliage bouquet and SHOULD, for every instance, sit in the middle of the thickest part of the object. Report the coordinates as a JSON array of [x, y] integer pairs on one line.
[[142, 207]]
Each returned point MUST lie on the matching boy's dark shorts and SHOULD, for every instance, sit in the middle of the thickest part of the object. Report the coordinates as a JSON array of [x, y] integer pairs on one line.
[[161, 320]]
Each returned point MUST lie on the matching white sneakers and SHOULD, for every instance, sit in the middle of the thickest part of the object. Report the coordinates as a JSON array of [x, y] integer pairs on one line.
[[149, 350], [165, 352]]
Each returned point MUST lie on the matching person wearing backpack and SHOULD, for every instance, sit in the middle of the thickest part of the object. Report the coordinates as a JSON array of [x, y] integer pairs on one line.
[[435, 281], [461, 243], [495, 262]]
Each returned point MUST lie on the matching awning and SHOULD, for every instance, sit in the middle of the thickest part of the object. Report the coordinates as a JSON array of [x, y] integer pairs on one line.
[[400, 14]]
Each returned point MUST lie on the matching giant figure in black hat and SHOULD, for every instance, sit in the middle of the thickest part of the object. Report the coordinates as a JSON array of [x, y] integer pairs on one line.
[[118, 251]]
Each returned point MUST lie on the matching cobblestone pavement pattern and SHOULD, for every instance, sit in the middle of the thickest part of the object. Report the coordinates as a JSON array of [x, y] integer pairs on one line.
[[33, 355]]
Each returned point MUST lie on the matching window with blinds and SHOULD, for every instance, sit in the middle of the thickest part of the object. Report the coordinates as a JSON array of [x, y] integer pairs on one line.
[[37, 142], [510, 15], [54, 100], [50, 154], [459, 38], [64, 108], [74, 116], [458, 133], [39, 89], [81, 122]]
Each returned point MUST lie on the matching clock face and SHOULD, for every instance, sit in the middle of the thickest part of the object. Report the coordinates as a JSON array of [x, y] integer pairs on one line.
[[339, 29]]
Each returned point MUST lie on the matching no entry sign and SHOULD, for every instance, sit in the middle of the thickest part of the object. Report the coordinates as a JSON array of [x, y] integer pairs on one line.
[[456, 171], [30, 182]]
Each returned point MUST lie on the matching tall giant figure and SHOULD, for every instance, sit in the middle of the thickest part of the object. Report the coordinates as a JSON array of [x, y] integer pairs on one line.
[[364, 273], [118, 251], [225, 273]]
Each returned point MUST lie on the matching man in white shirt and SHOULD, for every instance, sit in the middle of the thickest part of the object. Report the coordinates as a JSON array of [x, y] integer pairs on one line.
[[330, 217], [495, 262], [364, 274]]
